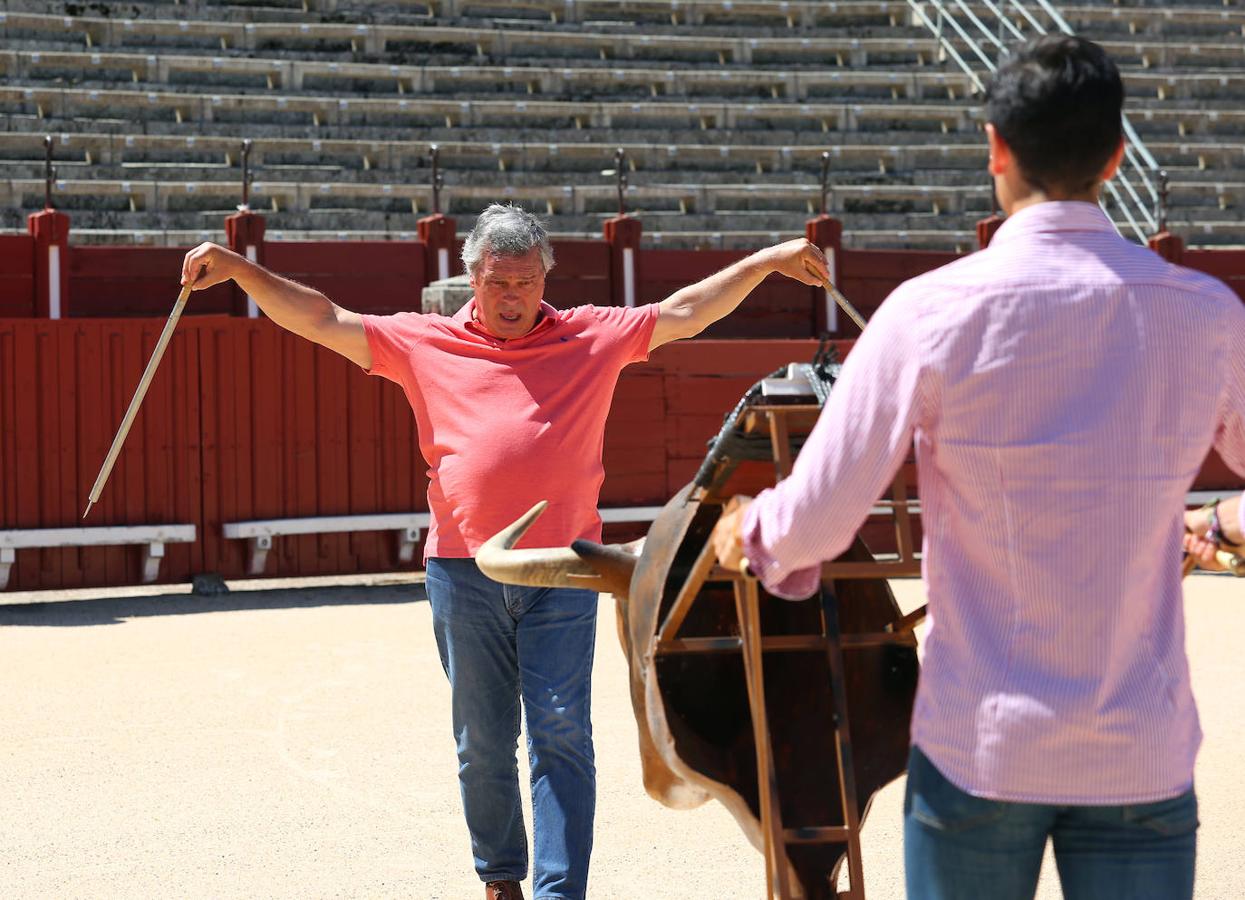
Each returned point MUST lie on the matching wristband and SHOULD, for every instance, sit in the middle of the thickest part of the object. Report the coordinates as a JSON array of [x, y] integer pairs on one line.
[[1214, 531]]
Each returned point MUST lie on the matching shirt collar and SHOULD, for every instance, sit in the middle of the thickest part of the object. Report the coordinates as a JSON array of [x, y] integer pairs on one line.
[[1051, 216], [466, 318]]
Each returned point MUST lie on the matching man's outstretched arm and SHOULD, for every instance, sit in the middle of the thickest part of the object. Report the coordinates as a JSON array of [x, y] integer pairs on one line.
[[882, 396], [293, 306], [688, 312]]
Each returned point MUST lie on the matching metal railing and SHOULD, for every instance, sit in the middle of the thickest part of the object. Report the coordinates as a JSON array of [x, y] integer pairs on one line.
[[1133, 195]]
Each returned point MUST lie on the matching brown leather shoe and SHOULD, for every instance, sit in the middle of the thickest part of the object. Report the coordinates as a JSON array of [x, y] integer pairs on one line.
[[503, 890]]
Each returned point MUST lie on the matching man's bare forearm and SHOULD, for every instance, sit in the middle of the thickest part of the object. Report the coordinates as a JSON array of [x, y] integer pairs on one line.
[[703, 303], [689, 311], [293, 306]]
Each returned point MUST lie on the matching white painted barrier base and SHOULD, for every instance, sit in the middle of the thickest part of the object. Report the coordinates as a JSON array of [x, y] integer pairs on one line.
[[151, 537]]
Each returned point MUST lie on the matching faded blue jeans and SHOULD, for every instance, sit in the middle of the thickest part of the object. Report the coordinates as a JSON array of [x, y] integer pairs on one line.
[[961, 847], [499, 644]]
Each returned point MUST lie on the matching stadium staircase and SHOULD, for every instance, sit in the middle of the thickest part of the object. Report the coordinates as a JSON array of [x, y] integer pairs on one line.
[[724, 109]]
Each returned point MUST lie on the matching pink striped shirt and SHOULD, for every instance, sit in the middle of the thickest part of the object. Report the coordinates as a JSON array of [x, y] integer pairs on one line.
[[1063, 387]]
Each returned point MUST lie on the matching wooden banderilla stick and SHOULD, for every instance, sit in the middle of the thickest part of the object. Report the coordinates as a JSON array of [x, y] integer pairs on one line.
[[837, 297], [137, 401]]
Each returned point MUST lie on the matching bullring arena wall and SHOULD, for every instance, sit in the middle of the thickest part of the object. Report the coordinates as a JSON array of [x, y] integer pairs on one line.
[[245, 422]]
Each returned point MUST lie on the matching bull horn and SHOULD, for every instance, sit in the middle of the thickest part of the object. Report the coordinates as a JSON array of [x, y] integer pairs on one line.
[[615, 563], [550, 566]]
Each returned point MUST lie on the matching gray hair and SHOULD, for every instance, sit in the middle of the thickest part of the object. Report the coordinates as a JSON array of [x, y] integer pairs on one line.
[[506, 231]]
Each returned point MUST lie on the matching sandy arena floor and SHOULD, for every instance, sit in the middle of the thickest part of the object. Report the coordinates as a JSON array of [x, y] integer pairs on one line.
[[292, 740]]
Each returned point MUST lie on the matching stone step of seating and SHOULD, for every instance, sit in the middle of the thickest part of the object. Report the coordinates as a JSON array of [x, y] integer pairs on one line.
[[207, 109], [227, 174], [405, 155], [776, 138], [454, 109], [479, 44], [475, 42], [654, 15], [317, 81], [847, 200], [1150, 119], [353, 156], [69, 65], [578, 199], [900, 60], [1188, 16], [502, 46], [399, 223], [313, 174], [108, 70], [650, 13], [161, 71]]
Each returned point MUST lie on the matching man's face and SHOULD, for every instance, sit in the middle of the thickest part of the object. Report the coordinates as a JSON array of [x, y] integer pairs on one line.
[[508, 291]]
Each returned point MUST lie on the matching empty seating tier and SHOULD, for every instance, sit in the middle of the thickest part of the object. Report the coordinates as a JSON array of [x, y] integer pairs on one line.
[[724, 109]]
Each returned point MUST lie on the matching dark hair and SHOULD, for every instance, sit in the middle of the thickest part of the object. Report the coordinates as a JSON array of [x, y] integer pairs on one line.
[[1056, 101]]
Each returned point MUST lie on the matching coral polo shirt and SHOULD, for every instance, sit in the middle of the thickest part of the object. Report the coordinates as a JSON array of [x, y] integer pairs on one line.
[[506, 423]]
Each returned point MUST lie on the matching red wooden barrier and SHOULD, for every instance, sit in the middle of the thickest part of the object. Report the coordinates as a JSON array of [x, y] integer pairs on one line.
[[580, 275], [293, 430], [1226, 265], [64, 387], [365, 276], [703, 380], [778, 308], [132, 282], [388, 276], [866, 277], [17, 279]]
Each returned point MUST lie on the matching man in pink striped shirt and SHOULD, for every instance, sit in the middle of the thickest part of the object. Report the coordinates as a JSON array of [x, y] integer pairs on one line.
[[1063, 387]]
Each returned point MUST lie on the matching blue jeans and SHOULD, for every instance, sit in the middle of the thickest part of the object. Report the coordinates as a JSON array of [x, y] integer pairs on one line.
[[961, 847], [500, 643]]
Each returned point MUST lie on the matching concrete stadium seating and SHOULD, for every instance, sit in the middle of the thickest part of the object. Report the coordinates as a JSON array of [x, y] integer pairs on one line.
[[723, 106]]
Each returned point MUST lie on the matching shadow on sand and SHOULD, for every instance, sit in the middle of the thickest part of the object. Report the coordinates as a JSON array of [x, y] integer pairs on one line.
[[116, 610]]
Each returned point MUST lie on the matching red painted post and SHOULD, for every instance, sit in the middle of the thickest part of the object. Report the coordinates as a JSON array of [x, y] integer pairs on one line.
[[827, 233], [622, 233], [986, 228], [50, 229], [438, 235], [1169, 246], [244, 232]]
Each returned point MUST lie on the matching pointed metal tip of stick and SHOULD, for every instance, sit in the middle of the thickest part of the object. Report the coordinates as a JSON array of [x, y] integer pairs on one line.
[[89, 504]]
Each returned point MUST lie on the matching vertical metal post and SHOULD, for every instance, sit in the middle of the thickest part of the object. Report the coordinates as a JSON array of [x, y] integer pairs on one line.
[[994, 197], [246, 174], [620, 173], [825, 179], [437, 179], [1162, 216], [49, 173]]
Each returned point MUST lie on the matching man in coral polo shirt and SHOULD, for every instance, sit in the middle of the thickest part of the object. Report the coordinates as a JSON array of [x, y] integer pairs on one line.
[[511, 396]]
